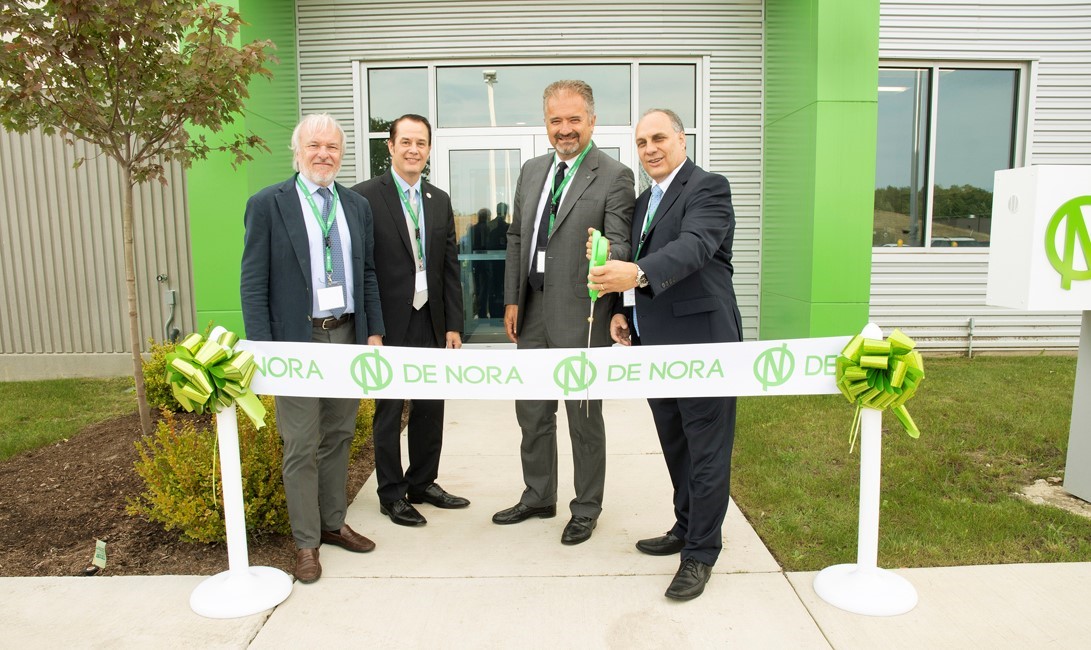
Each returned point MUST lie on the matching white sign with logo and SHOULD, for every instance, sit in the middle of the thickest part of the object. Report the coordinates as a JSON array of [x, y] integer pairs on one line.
[[1040, 250], [785, 367]]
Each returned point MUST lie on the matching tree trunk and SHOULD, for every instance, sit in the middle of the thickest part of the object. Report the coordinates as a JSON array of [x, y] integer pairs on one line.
[[130, 289]]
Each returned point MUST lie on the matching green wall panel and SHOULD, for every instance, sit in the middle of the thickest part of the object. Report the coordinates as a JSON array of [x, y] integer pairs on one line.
[[819, 166], [217, 191]]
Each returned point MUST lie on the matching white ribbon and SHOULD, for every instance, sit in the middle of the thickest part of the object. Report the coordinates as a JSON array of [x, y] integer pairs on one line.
[[782, 367]]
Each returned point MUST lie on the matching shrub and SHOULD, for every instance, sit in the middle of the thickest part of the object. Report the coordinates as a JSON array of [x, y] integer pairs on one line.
[[180, 468], [156, 386]]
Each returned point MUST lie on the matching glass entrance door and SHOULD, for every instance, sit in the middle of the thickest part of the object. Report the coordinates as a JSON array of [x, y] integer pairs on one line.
[[480, 173]]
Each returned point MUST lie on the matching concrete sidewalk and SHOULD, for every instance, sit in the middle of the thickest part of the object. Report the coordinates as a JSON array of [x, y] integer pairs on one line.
[[462, 582]]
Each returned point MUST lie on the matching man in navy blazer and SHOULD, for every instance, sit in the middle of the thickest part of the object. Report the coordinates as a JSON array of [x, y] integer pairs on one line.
[[679, 291], [416, 261], [308, 275]]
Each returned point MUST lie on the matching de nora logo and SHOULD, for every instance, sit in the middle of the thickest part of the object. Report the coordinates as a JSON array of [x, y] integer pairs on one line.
[[774, 366], [575, 374], [371, 371], [1064, 261]]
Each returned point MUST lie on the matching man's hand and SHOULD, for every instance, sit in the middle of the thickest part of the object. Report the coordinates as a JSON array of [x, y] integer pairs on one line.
[[511, 315], [375, 339], [619, 330], [588, 246], [614, 275], [454, 340]]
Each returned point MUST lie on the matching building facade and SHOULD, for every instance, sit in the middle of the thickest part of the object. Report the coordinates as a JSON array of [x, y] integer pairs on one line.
[[859, 137]]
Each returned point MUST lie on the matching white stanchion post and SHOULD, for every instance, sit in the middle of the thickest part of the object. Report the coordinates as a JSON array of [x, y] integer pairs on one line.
[[864, 588], [242, 590]]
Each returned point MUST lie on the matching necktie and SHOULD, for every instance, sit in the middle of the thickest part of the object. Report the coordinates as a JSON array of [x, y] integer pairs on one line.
[[337, 277], [536, 279], [419, 297], [653, 203]]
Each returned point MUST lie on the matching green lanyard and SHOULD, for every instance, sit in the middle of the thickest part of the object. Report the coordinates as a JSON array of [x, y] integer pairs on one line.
[[644, 233], [325, 226], [555, 198], [404, 196]]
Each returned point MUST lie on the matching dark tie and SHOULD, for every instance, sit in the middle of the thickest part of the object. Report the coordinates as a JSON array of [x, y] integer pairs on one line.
[[335, 246], [536, 279]]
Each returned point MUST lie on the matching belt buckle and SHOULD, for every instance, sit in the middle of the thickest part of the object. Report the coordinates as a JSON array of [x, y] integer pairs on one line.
[[329, 319]]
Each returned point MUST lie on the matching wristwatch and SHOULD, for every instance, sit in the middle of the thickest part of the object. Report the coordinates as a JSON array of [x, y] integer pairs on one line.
[[641, 279]]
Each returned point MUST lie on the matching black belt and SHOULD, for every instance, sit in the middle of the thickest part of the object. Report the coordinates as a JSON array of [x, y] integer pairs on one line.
[[331, 323]]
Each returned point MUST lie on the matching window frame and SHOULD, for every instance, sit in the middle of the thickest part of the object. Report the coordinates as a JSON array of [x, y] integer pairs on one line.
[[361, 108], [1026, 76]]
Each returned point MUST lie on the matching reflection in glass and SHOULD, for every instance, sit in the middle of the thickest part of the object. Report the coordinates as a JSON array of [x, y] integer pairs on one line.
[[393, 92], [670, 86], [463, 93], [975, 122], [482, 189], [901, 158]]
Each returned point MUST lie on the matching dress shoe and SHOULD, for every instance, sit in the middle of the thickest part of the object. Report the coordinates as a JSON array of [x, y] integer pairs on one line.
[[307, 568], [438, 497], [690, 580], [666, 545], [520, 512], [401, 513], [578, 530], [348, 539]]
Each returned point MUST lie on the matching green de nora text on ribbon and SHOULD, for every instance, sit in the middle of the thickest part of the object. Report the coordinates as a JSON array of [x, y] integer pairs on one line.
[[797, 366]]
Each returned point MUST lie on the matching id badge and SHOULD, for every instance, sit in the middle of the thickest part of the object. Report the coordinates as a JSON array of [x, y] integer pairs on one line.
[[330, 298], [421, 282], [628, 299], [540, 262]]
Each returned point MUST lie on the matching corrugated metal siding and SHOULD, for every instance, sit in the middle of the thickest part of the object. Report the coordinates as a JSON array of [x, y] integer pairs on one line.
[[332, 35], [61, 255], [932, 295]]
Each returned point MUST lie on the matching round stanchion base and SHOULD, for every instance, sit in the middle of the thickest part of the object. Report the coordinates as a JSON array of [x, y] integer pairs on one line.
[[233, 594], [871, 591]]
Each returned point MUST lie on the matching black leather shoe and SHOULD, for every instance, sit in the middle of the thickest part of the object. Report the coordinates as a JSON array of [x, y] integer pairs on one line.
[[520, 512], [401, 513], [690, 580], [438, 497], [666, 545], [578, 530]]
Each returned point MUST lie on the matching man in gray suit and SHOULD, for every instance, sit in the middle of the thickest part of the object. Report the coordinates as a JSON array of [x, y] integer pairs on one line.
[[557, 198], [308, 275]]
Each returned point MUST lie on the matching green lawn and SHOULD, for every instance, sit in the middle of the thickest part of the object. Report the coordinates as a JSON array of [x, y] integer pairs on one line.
[[988, 425], [38, 413]]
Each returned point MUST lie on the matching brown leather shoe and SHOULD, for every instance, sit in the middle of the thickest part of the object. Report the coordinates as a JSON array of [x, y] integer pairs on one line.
[[348, 539], [307, 568]]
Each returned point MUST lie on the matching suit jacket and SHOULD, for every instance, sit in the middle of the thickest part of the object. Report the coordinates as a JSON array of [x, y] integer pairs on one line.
[[276, 266], [600, 195], [687, 260], [394, 258]]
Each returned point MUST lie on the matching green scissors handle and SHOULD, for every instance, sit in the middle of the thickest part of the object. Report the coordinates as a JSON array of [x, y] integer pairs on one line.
[[599, 247]]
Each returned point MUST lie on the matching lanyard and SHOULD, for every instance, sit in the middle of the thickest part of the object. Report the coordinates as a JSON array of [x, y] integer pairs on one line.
[[404, 196], [324, 226], [555, 198], [644, 233]]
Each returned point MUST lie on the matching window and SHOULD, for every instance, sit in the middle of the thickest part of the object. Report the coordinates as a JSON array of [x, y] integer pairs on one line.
[[942, 133]]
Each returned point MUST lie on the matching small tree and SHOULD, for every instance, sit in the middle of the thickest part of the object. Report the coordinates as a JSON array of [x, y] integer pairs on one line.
[[128, 76]]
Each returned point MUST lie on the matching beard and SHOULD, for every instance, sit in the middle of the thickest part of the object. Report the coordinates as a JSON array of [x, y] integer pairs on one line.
[[320, 175], [567, 147]]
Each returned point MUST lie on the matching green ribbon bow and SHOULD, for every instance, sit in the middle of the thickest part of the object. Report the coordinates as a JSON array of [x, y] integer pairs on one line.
[[881, 375], [210, 374]]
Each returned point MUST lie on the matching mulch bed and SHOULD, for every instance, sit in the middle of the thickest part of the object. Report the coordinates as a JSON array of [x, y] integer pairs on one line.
[[55, 502]]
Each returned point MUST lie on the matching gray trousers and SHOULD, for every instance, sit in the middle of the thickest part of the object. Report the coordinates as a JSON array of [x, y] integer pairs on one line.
[[316, 433], [538, 421]]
